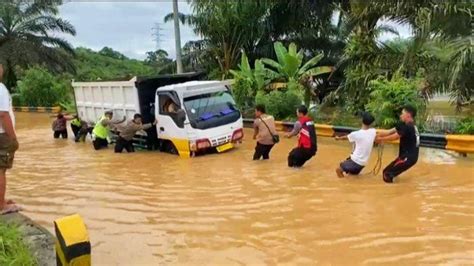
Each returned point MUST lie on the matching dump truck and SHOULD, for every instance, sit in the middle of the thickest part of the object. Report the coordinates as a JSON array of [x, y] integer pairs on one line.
[[194, 116]]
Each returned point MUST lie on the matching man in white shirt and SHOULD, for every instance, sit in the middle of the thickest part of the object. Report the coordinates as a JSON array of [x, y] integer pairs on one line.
[[8, 144], [363, 141]]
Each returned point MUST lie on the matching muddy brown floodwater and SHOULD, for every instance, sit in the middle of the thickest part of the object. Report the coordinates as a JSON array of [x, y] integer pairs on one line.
[[151, 208]]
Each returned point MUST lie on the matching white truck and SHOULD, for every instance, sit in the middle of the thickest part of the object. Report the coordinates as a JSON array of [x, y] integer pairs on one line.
[[193, 116]]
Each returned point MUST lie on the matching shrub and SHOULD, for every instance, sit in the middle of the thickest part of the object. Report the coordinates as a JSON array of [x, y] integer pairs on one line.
[[389, 96], [17, 99], [281, 104], [38, 87], [465, 126], [335, 116], [244, 96]]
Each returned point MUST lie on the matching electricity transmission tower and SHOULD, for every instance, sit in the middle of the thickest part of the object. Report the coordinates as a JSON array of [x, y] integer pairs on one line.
[[157, 34]]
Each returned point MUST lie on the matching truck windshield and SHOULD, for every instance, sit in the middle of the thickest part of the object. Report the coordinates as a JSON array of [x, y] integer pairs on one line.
[[211, 109]]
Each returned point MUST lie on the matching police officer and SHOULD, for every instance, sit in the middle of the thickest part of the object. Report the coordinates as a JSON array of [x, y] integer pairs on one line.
[[75, 125], [101, 131]]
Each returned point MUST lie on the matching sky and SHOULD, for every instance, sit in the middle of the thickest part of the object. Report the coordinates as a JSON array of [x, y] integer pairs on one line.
[[125, 26]]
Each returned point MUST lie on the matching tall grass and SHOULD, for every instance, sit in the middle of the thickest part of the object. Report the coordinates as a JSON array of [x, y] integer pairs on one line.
[[12, 249]]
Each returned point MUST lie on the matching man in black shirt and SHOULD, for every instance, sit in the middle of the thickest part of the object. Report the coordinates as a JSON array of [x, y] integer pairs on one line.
[[409, 137]]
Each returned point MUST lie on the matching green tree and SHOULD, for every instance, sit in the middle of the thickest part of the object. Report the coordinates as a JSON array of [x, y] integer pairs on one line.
[[290, 68], [388, 96], [93, 66], [107, 51], [436, 21], [158, 57], [281, 104], [28, 36], [446, 31], [228, 26], [183, 18], [197, 56], [248, 82], [38, 87]]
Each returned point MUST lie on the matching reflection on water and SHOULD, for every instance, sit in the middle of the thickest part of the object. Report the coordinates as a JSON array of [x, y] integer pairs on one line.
[[151, 208]]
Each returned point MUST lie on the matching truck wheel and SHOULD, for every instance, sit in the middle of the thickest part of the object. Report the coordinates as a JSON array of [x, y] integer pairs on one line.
[[173, 149], [168, 146]]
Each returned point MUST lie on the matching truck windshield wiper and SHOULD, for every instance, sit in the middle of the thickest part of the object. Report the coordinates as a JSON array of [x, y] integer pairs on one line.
[[226, 111], [206, 116]]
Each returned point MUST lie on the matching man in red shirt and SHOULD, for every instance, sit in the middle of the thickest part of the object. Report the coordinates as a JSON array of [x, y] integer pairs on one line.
[[307, 143]]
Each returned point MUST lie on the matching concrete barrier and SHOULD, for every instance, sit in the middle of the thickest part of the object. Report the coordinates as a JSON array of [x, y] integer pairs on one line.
[[458, 143], [72, 241], [54, 109]]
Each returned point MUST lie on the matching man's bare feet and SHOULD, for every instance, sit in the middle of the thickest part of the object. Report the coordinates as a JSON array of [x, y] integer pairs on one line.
[[339, 172], [10, 208], [9, 201]]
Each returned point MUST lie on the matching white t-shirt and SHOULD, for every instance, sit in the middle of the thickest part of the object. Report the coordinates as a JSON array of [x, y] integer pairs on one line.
[[363, 140], [6, 105]]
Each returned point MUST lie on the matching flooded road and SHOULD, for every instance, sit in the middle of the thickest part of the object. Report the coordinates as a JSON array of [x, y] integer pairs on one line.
[[151, 208]]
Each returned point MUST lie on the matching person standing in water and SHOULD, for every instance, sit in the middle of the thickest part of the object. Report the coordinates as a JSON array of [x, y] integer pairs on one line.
[[76, 125], [101, 131], [363, 140], [8, 145], [264, 133], [83, 131], [59, 127], [125, 138], [307, 143], [408, 152]]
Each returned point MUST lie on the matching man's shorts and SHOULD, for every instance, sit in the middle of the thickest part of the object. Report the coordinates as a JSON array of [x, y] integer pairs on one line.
[[8, 148], [351, 167]]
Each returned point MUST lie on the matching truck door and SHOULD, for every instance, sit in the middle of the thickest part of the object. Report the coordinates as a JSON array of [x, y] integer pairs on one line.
[[171, 119]]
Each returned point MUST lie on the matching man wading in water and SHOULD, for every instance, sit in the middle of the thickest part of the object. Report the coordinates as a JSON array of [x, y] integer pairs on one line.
[[409, 137], [125, 138], [8, 145], [307, 144], [264, 133], [101, 131]]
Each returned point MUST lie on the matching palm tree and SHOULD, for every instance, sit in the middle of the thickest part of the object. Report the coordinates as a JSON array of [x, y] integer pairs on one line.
[[183, 18], [289, 67], [27, 37]]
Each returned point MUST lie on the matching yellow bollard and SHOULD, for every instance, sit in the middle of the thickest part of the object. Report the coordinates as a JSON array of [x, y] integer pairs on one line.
[[72, 242]]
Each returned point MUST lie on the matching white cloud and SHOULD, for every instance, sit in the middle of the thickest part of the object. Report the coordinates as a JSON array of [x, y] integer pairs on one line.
[[124, 26]]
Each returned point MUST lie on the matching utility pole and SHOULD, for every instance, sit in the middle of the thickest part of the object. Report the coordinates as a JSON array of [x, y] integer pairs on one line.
[[177, 38]]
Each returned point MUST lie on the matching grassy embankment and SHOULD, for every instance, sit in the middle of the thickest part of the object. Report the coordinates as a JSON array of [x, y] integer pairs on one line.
[[12, 249]]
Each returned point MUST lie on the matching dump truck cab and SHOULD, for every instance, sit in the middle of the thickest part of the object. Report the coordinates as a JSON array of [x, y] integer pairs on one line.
[[197, 116]]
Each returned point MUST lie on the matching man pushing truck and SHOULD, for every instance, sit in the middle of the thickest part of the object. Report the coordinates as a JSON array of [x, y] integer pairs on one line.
[[101, 132]]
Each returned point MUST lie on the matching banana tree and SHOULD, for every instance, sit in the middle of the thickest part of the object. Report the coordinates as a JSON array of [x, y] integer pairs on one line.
[[256, 76], [289, 67], [249, 81]]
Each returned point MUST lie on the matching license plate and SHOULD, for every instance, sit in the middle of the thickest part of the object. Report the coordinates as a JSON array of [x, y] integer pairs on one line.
[[225, 147]]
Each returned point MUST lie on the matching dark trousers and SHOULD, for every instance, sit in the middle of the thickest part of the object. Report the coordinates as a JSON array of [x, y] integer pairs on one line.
[[100, 143], [62, 133], [262, 151], [397, 167], [75, 129], [123, 143], [298, 156], [81, 135]]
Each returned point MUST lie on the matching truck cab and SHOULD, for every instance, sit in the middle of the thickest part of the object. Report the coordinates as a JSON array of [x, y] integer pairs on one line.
[[198, 116]]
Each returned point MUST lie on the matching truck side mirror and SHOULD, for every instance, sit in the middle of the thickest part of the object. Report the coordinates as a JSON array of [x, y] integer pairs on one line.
[[180, 118]]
